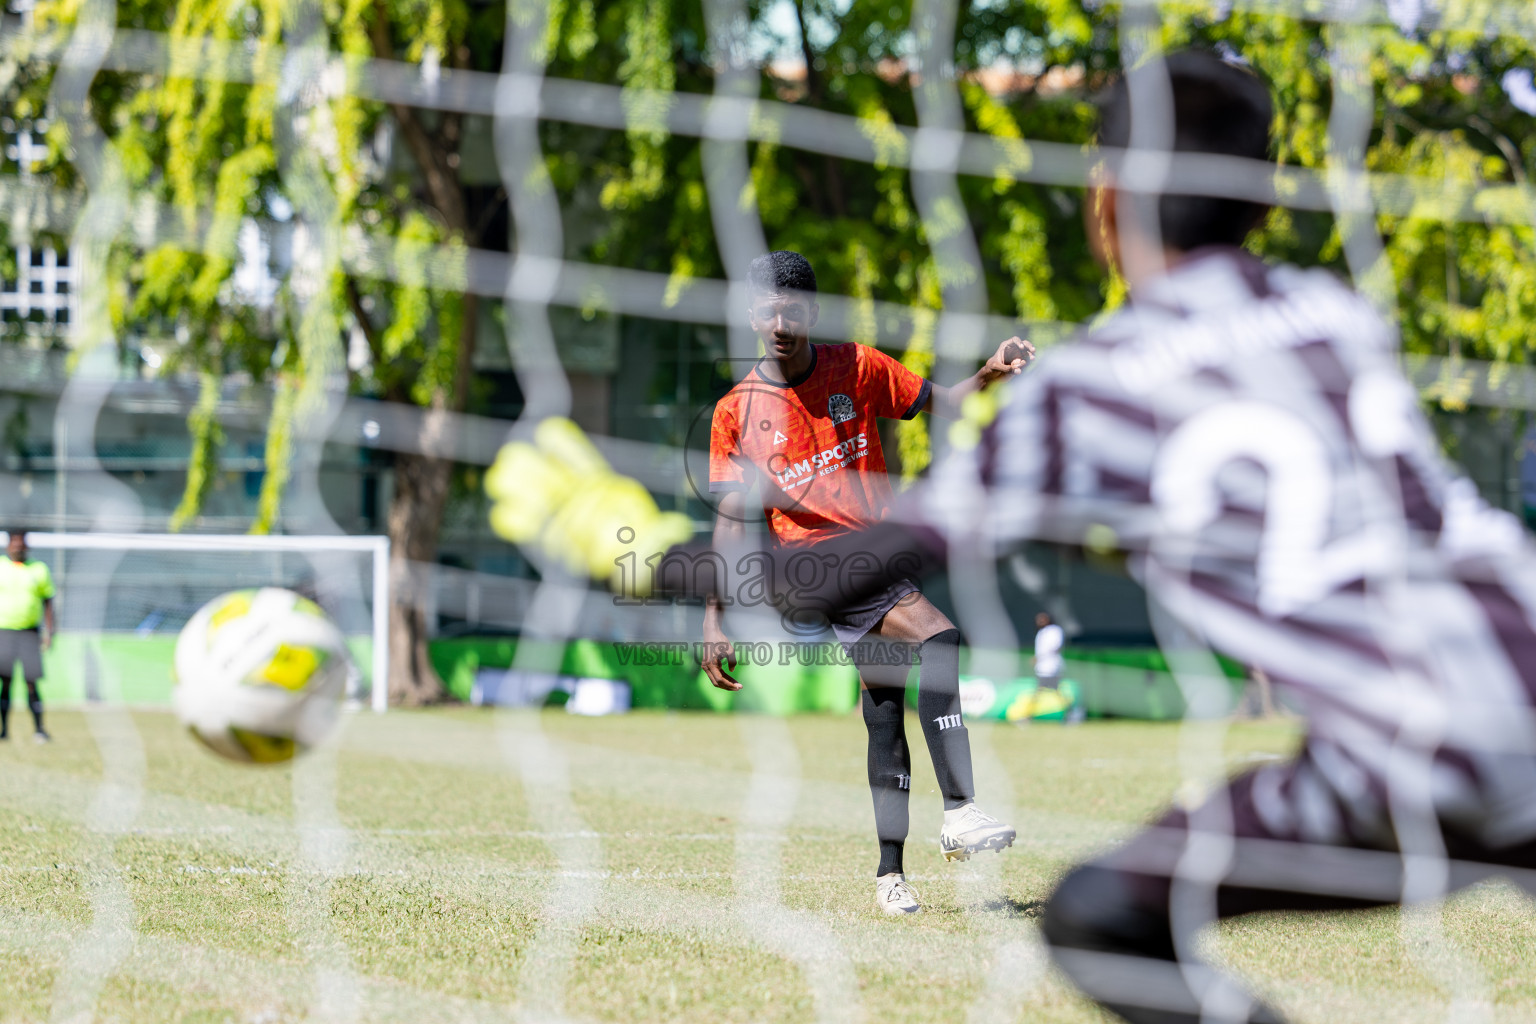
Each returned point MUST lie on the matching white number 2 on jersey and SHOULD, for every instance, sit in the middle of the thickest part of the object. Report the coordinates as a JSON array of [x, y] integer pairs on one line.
[[1296, 563]]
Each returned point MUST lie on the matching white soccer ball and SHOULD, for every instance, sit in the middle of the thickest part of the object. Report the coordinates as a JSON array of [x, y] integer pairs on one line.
[[260, 674]]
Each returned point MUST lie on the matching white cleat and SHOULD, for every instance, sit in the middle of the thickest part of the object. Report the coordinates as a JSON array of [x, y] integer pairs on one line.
[[969, 830], [894, 896]]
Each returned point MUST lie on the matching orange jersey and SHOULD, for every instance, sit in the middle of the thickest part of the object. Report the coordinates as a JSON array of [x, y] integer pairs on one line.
[[812, 443]]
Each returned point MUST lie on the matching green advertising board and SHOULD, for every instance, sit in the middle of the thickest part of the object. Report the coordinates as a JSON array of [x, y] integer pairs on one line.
[[776, 679]]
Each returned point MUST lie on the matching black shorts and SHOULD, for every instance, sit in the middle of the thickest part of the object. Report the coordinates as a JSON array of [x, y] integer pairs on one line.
[[851, 622], [25, 646]]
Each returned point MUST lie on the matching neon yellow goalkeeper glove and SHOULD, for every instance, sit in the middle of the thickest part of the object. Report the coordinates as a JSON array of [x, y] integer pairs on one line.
[[559, 494]]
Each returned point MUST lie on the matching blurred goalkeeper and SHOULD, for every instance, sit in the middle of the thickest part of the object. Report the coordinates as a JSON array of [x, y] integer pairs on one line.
[[1243, 434]]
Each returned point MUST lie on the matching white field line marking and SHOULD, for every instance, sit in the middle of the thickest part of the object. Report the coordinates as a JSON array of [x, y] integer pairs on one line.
[[926, 836], [275, 869], [600, 873]]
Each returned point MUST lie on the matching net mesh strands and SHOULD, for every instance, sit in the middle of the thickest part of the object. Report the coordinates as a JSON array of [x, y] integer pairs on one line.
[[955, 324]]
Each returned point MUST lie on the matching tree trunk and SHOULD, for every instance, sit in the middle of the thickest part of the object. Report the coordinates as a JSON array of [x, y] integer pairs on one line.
[[422, 477], [415, 523]]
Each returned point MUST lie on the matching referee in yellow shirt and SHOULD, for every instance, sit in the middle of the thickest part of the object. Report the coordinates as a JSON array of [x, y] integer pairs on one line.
[[26, 598]]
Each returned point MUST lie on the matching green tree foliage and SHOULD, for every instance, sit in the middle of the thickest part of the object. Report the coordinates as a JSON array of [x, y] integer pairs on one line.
[[1463, 285], [1024, 70], [213, 155]]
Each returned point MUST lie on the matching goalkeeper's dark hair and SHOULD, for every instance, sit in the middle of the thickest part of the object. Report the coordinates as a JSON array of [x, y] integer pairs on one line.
[[781, 271], [1218, 108]]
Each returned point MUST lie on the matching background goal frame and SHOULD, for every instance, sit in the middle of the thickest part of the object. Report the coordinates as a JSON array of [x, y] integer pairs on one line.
[[378, 546]]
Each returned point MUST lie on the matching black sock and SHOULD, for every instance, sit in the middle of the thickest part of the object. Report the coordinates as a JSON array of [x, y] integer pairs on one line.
[[938, 706], [890, 770], [36, 706], [5, 712]]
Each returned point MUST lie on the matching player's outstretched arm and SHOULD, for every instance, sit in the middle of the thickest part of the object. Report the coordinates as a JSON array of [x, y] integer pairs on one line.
[[1008, 361]]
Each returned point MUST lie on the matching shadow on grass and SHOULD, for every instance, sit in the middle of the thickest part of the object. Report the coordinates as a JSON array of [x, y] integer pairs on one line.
[[1016, 908], [1007, 906]]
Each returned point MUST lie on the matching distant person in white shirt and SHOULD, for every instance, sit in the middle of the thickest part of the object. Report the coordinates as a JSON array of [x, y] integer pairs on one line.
[[1048, 643]]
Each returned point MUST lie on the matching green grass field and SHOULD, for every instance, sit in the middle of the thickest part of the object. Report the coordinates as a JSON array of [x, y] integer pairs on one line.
[[463, 865]]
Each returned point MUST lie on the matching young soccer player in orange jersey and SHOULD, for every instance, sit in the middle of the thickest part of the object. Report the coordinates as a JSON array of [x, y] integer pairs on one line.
[[801, 426]]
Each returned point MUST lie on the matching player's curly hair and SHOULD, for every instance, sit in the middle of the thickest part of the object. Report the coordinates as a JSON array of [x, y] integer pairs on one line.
[[781, 271]]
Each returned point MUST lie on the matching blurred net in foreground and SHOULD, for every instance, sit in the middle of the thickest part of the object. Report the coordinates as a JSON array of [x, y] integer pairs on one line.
[[310, 78]]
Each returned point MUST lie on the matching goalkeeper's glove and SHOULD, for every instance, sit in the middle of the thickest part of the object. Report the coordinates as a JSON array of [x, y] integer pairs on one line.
[[560, 495]]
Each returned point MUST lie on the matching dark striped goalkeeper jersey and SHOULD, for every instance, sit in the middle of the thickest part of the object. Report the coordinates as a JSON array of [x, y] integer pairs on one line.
[[1245, 433]]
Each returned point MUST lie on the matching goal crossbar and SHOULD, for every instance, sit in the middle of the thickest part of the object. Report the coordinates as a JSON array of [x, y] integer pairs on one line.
[[377, 546]]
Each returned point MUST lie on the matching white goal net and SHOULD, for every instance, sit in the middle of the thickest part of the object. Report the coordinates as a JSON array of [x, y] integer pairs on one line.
[[1437, 228]]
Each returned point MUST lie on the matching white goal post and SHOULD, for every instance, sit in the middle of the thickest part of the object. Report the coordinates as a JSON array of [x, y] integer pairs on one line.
[[242, 543]]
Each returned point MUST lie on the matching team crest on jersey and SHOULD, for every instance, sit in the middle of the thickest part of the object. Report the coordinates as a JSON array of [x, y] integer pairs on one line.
[[840, 408]]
